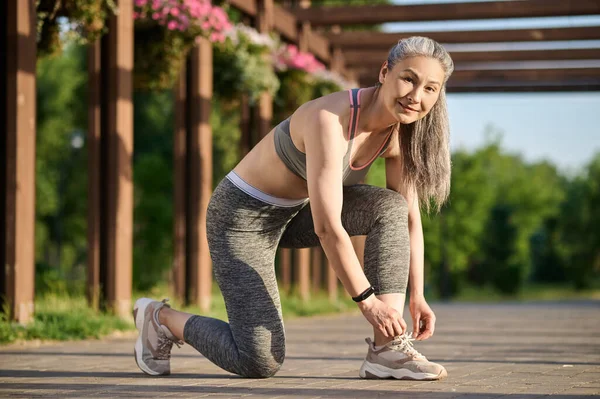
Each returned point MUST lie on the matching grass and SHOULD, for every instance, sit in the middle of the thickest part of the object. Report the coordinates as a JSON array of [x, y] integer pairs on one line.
[[60, 317], [531, 292], [63, 317]]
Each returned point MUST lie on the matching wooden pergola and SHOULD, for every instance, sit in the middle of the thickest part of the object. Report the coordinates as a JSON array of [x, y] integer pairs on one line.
[[354, 54], [365, 51]]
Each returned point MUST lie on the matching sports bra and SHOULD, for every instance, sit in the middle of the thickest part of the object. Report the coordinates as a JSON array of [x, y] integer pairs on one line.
[[295, 160]]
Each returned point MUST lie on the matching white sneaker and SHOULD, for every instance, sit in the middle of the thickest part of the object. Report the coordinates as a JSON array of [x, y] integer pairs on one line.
[[399, 359]]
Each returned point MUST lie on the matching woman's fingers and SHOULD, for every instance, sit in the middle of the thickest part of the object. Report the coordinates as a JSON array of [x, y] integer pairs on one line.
[[427, 329], [398, 330]]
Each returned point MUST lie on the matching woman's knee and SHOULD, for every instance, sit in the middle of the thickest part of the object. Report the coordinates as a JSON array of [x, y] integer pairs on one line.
[[391, 204], [261, 367]]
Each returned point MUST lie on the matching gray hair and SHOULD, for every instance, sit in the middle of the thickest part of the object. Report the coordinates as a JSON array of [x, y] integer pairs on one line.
[[425, 143]]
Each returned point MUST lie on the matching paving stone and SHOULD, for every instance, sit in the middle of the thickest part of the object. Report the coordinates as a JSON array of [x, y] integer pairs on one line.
[[487, 349]]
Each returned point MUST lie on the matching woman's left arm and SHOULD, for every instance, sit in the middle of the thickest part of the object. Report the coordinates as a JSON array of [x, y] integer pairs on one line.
[[422, 316]]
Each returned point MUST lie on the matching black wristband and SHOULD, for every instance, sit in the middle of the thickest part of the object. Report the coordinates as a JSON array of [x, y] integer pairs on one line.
[[364, 295]]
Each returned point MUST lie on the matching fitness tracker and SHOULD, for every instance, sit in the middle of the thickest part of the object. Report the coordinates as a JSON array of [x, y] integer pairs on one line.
[[364, 295]]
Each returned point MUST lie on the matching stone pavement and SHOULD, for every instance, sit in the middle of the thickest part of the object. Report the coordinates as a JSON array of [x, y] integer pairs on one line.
[[490, 351]]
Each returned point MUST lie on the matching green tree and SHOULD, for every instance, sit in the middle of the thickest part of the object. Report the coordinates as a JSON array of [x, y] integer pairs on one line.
[[61, 170], [579, 223]]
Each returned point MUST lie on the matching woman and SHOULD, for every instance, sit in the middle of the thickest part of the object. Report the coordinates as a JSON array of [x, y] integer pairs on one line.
[[299, 188]]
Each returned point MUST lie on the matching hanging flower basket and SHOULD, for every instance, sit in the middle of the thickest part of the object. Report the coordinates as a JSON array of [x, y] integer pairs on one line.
[[84, 20], [158, 56], [165, 30], [243, 64]]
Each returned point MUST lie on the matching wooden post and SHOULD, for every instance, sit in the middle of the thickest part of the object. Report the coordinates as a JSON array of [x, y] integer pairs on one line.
[[358, 242], [285, 262], [317, 268], [245, 125], [303, 256], [337, 60], [18, 161], [302, 265], [117, 150], [200, 173], [332, 283], [94, 191], [178, 276], [264, 24]]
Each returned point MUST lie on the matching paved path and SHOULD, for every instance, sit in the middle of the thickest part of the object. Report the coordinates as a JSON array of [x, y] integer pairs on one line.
[[513, 351]]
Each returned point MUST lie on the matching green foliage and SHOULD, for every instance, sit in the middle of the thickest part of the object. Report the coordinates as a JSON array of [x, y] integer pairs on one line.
[[86, 18], [507, 222], [580, 218], [242, 68], [158, 56], [298, 87], [500, 226], [61, 168], [62, 317]]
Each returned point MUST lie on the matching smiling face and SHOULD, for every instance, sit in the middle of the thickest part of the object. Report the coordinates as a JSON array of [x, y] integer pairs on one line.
[[412, 87]]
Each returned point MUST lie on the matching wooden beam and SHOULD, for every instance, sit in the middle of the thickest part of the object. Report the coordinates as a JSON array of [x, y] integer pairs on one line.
[[527, 75], [248, 7], [520, 75], [94, 217], [180, 185], [380, 40], [199, 153], [285, 24], [374, 58], [377, 14], [319, 46], [525, 87], [117, 136], [18, 161]]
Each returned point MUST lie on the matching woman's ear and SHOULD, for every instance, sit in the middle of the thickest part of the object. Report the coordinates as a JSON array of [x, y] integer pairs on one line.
[[383, 72]]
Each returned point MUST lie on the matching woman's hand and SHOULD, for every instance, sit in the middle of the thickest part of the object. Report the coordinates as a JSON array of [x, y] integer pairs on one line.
[[383, 317], [423, 318]]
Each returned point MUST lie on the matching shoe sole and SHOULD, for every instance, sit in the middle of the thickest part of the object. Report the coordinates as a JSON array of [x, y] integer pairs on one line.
[[139, 311], [372, 371]]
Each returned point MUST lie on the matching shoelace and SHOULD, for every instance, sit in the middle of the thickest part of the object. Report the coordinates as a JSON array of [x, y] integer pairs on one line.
[[165, 342], [403, 343]]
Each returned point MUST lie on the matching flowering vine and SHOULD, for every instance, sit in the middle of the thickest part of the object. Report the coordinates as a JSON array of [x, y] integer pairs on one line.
[[194, 17]]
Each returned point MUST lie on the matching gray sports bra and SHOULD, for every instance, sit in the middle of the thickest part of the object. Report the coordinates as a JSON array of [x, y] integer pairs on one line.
[[295, 160]]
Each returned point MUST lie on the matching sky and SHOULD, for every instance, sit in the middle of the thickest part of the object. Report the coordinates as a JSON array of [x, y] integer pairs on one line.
[[561, 127]]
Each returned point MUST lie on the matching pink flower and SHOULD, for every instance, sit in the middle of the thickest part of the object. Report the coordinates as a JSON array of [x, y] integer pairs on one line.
[[141, 3], [174, 11], [155, 16], [156, 5], [184, 20], [172, 25]]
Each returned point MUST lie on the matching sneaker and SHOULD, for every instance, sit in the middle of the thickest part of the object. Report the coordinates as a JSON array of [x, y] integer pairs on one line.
[[398, 359], [153, 347]]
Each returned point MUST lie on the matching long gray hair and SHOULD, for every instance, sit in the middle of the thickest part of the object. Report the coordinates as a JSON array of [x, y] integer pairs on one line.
[[425, 143]]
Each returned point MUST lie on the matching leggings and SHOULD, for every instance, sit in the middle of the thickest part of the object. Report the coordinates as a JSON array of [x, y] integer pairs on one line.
[[244, 231]]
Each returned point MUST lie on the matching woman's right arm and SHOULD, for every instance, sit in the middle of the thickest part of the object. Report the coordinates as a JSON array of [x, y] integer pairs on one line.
[[325, 148]]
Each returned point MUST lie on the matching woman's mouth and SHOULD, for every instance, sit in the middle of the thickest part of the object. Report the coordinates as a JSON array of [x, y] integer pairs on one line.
[[406, 107]]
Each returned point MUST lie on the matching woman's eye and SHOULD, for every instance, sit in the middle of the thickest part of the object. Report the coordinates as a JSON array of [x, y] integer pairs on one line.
[[431, 89], [409, 80]]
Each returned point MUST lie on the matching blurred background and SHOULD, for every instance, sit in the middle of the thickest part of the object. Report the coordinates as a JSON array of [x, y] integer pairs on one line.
[[523, 218]]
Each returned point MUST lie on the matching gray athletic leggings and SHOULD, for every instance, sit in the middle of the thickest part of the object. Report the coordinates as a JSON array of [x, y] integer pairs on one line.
[[243, 235]]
